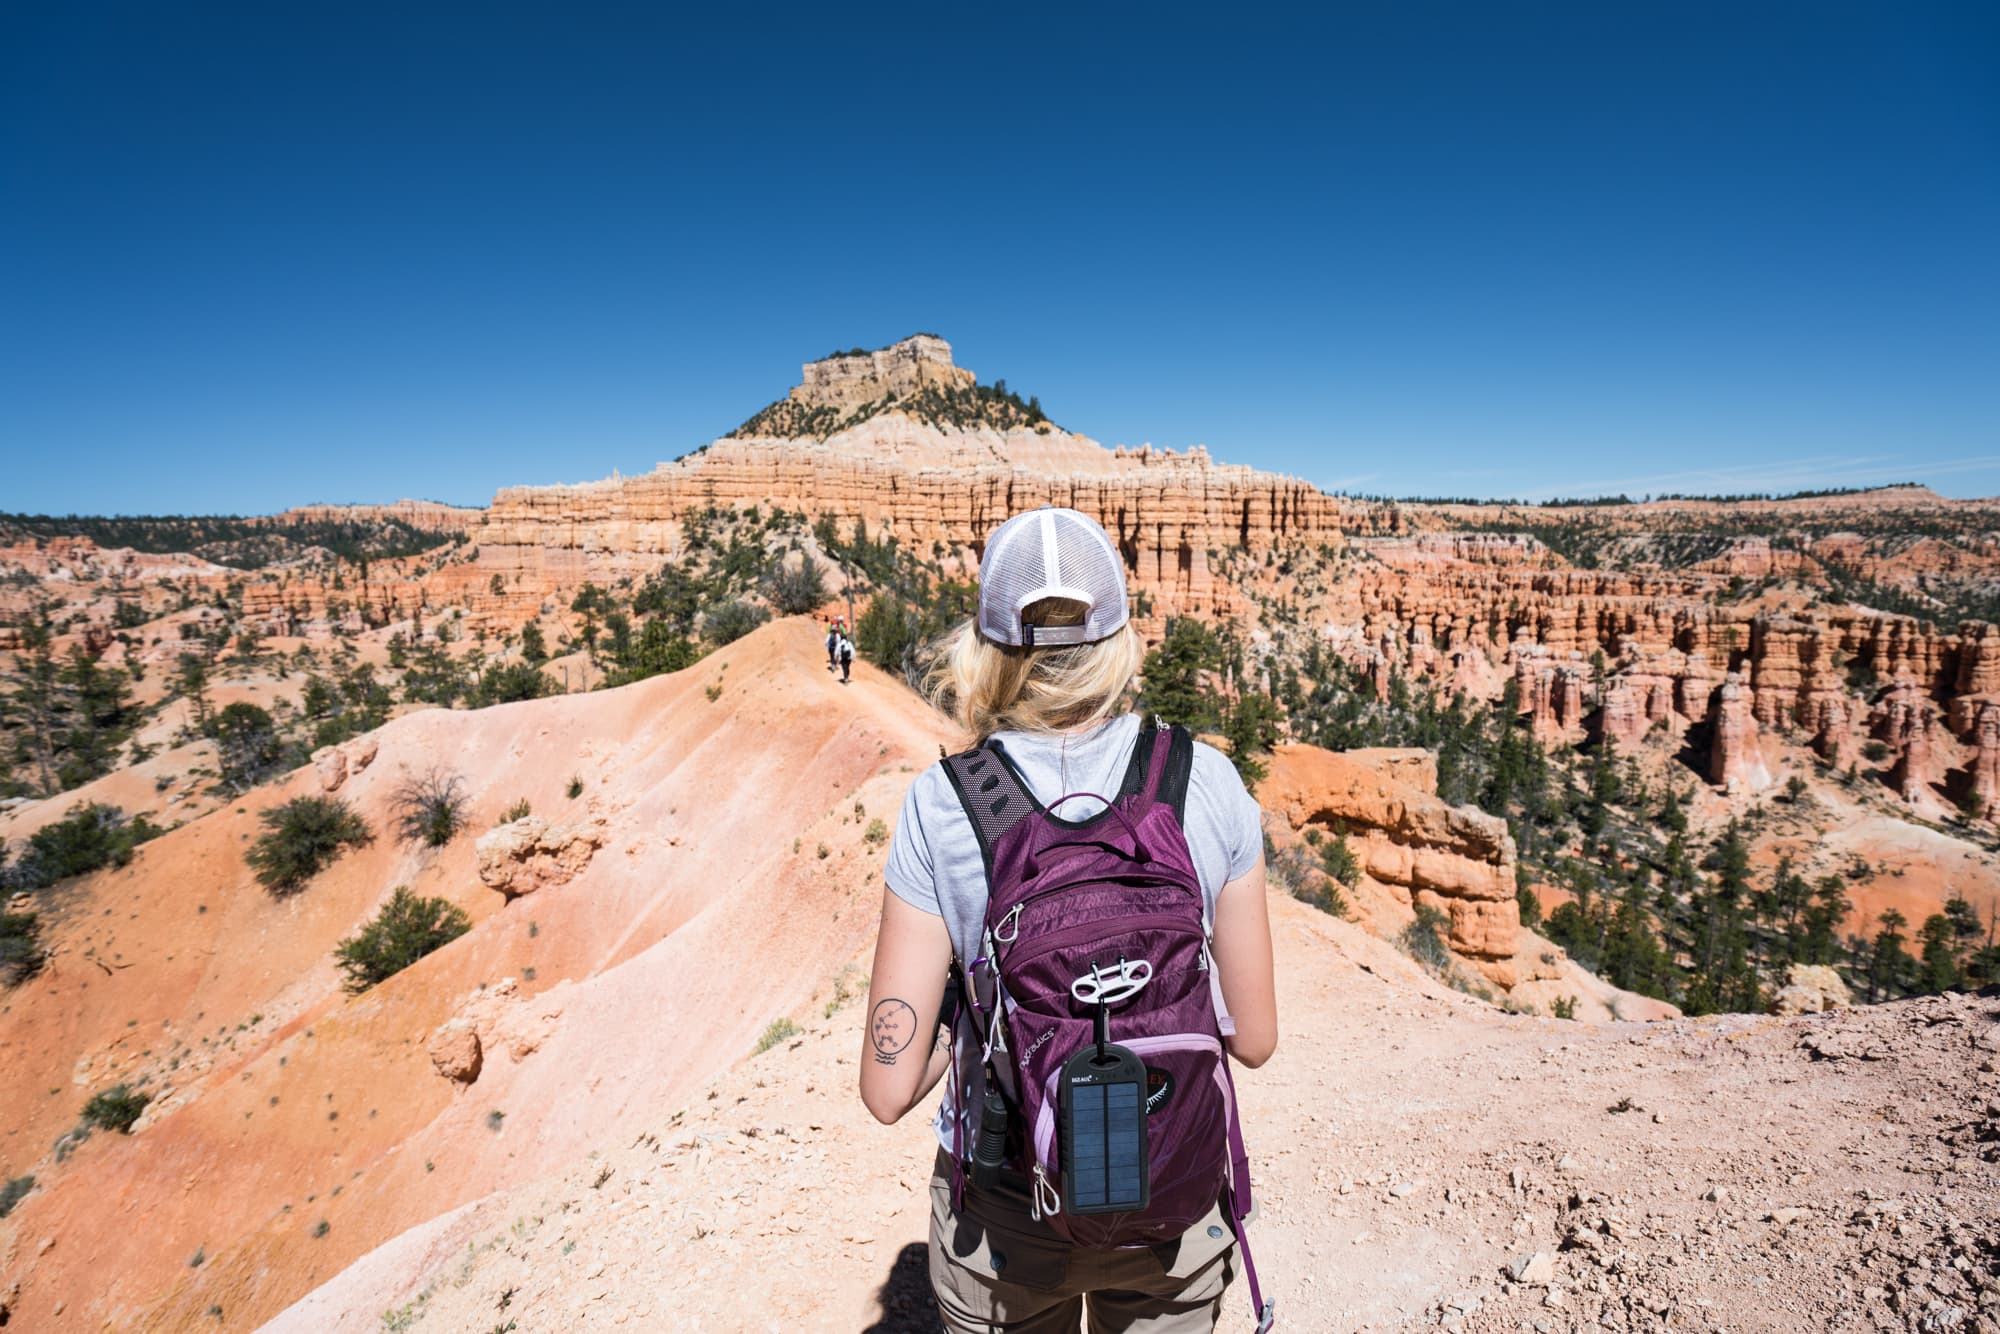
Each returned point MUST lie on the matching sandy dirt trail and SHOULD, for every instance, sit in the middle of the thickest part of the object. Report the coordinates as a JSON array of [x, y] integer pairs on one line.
[[1411, 1147]]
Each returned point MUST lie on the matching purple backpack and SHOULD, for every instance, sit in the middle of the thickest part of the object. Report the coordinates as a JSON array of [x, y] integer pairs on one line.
[[1098, 928]]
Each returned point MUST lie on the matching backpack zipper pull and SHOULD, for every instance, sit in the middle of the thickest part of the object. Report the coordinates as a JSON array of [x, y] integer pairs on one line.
[[1045, 1201]]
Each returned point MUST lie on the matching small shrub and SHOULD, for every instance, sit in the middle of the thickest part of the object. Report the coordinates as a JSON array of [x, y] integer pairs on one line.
[[730, 621], [246, 745], [824, 852], [794, 589], [777, 1031], [876, 833], [1340, 861], [1323, 893], [88, 838], [510, 683], [713, 692], [405, 1317], [321, 1228], [116, 1108], [13, 1192], [200, 1255], [1564, 1007], [430, 807], [495, 1119], [407, 928], [302, 838], [520, 810], [1424, 940], [1294, 871], [847, 983], [21, 953], [575, 787]]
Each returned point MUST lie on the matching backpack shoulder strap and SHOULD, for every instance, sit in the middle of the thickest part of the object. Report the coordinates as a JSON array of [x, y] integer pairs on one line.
[[1140, 767], [1169, 766], [993, 796]]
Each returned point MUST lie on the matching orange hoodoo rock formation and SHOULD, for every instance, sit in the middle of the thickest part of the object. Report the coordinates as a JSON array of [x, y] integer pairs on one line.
[[1457, 859], [1624, 715], [1551, 693], [1414, 850], [1734, 759]]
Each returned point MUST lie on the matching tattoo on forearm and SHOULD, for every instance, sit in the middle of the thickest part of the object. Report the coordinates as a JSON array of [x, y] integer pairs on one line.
[[891, 1025]]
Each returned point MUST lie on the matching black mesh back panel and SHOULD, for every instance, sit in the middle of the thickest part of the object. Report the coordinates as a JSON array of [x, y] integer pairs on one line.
[[1180, 768], [991, 795]]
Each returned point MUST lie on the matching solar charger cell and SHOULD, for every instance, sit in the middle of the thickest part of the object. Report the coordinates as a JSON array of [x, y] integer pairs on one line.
[[1103, 1103]]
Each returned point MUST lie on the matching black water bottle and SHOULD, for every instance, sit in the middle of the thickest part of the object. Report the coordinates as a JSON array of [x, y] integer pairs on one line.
[[991, 1153]]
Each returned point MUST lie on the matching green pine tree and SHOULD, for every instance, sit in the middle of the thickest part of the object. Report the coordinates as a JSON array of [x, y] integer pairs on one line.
[[1173, 675]]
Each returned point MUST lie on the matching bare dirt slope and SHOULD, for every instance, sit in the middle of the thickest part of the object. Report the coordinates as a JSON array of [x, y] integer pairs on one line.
[[296, 1127], [1411, 1144]]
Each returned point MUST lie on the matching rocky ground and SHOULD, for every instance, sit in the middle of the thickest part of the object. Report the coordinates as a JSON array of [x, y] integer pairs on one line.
[[1423, 1161]]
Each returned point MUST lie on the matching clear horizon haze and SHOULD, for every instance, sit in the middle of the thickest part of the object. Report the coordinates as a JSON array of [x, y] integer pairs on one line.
[[259, 256]]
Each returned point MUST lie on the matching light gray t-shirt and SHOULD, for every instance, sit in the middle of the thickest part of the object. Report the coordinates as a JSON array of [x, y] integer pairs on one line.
[[934, 861]]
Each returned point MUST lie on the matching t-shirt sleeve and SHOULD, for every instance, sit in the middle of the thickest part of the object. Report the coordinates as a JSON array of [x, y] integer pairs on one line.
[[910, 870], [1221, 811]]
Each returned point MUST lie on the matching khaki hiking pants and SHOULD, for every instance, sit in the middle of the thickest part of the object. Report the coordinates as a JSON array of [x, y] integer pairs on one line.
[[996, 1270]]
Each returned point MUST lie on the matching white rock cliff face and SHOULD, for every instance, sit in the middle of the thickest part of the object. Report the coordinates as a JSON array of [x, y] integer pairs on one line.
[[847, 382]]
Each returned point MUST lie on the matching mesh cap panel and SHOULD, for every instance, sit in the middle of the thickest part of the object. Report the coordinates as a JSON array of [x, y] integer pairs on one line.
[[1050, 553]]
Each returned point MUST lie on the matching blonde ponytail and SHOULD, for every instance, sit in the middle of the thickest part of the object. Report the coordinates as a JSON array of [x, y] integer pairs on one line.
[[991, 687]]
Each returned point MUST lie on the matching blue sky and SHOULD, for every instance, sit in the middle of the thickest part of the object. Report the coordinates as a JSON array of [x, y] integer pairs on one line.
[[260, 255]]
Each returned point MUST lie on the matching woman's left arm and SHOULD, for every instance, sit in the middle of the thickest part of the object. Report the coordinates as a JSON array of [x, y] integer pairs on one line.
[[1244, 967], [900, 1064]]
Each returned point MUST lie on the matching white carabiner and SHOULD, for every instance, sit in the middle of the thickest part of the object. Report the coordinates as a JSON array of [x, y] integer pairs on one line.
[[1099, 987], [1046, 1200], [1012, 918]]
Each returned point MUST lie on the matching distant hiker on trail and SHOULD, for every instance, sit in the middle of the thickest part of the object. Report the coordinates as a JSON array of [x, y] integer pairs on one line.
[[832, 646], [846, 657], [1084, 977]]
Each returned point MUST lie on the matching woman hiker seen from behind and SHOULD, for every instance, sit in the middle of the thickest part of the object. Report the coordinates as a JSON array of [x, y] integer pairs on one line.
[[1075, 941]]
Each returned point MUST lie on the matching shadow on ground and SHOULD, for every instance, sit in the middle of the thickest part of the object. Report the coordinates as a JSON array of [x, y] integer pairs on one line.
[[907, 1304]]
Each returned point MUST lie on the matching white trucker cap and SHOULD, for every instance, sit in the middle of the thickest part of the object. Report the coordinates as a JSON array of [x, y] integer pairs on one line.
[[1050, 553]]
